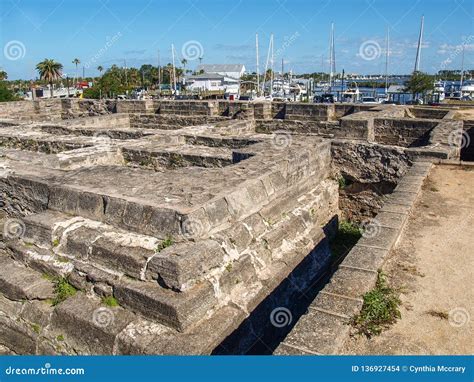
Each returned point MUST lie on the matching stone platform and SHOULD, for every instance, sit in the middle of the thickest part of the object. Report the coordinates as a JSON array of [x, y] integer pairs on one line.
[[187, 229], [163, 227]]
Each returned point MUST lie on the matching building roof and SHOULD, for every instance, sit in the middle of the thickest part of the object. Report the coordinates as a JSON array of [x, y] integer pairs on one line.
[[395, 89], [207, 76], [215, 68]]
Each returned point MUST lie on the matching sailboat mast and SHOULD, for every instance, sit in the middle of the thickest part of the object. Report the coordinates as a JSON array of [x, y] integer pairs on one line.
[[174, 69], [159, 71], [332, 57], [266, 66], [420, 42], [258, 68], [462, 69], [333, 52], [272, 67], [387, 53]]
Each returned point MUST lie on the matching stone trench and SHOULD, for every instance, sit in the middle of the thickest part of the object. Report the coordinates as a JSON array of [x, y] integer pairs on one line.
[[187, 227]]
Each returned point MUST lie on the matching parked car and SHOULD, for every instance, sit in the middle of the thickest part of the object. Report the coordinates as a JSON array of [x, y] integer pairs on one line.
[[324, 98], [369, 101], [415, 102]]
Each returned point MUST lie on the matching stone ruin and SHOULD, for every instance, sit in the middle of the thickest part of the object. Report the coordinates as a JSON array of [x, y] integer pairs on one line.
[[177, 227]]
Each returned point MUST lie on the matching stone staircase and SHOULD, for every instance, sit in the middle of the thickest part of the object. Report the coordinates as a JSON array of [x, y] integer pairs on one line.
[[143, 279]]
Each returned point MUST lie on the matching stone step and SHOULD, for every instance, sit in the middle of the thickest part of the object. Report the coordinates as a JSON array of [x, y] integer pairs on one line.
[[18, 282], [88, 325], [57, 238], [42, 260], [172, 157], [176, 310], [78, 238], [44, 228]]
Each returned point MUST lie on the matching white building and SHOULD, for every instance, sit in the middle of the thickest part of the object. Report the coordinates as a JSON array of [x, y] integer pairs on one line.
[[228, 70], [213, 82]]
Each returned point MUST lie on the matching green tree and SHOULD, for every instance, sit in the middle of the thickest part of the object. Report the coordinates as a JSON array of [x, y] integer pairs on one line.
[[76, 62], [419, 83], [50, 71], [100, 69], [6, 94]]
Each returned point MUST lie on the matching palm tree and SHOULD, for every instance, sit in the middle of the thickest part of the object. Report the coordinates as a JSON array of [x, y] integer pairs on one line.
[[100, 69], [184, 62], [76, 62], [49, 70], [3, 75]]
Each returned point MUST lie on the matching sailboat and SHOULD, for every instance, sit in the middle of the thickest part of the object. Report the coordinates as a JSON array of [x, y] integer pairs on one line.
[[385, 97], [255, 95], [329, 96]]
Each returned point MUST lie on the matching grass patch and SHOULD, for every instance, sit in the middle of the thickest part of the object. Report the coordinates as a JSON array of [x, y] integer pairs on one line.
[[36, 328], [380, 309], [110, 301], [342, 182], [55, 242], [168, 242], [62, 290], [60, 337], [434, 189], [347, 236]]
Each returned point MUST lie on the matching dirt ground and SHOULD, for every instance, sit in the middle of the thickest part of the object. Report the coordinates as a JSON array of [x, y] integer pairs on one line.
[[465, 114], [433, 268]]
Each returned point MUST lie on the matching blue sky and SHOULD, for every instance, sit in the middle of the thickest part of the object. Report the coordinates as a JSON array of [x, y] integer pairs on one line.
[[106, 32]]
